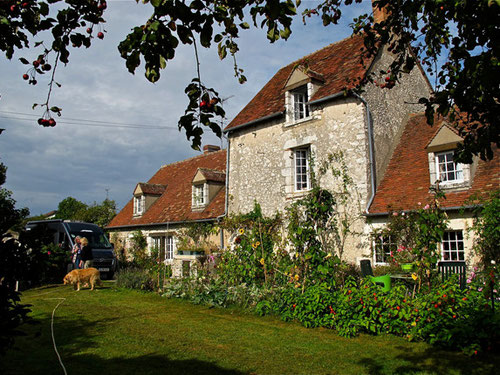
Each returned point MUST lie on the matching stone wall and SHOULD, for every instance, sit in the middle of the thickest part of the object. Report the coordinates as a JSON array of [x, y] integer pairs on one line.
[[261, 159], [261, 156], [123, 239], [457, 222], [390, 108]]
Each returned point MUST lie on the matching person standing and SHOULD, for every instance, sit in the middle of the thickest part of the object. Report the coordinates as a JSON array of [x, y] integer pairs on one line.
[[76, 251], [86, 254]]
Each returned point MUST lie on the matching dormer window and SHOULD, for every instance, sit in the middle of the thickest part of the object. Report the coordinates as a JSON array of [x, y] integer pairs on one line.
[[442, 166], [300, 106], [206, 184], [199, 195], [448, 171], [145, 195], [139, 205], [299, 89]]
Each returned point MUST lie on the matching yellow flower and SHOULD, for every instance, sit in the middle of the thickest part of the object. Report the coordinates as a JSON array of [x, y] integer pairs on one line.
[[257, 243], [254, 245], [414, 324], [297, 285], [241, 231], [262, 261], [297, 277], [414, 276]]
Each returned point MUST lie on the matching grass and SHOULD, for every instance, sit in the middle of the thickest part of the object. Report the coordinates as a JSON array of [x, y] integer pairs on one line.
[[117, 331]]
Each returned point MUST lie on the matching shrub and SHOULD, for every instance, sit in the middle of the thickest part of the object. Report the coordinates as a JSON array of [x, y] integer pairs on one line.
[[449, 316], [135, 278]]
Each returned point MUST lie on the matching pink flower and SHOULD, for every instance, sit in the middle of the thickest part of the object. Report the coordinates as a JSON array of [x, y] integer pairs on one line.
[[395, 214], [48, 252], [419, 203], [426, 207]]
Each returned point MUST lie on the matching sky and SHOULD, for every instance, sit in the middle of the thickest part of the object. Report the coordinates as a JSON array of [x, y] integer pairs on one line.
[[118, 129]]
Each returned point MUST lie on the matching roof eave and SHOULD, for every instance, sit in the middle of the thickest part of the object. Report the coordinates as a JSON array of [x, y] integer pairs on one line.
[[253, 122], [446, 209]]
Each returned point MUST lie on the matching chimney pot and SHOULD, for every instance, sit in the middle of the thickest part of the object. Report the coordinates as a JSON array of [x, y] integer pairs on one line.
[[210, 148]]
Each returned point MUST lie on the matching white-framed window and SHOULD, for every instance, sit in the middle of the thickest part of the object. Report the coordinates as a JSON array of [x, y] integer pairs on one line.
[[170, 248], [299, 103], [452, 246], [139, 205], [448, 171], [166, 246], [383, 247], [200, 195], [301, 169]]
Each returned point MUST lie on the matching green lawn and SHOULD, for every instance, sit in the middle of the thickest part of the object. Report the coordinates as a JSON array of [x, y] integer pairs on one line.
[[116, 331]]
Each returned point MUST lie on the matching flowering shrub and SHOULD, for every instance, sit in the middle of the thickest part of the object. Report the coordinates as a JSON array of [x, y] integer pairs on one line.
[[252, 259], [418, 234], [402, 255], [449, 317]]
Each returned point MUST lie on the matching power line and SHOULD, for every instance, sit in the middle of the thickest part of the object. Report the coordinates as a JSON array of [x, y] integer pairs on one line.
[[84, 122]]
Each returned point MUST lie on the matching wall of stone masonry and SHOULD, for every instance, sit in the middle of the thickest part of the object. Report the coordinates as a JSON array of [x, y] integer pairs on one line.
[[122, 239], [390, 108], [261, 159], [457, 222]]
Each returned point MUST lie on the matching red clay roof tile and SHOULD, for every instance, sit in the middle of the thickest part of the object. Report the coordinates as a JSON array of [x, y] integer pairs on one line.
[[339, 65], [174, 205], [152, 189], [407, 181]]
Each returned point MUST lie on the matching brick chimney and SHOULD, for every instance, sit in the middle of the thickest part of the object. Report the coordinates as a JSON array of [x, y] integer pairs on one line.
[[379, 15], [210, 148]]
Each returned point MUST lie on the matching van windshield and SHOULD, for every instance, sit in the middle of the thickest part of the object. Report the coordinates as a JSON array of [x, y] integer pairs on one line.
[[97, 240]]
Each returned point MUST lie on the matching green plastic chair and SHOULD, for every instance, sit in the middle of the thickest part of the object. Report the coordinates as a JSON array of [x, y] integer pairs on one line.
[[383, 281]]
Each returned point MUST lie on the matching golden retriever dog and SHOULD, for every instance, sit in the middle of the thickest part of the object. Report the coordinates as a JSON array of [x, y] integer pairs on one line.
[[88, 276]]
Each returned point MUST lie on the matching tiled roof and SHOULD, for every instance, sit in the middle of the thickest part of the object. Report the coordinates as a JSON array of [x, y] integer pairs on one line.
[[213, 175], [152, 189], [174, 205], [407, 181], [334, 64]]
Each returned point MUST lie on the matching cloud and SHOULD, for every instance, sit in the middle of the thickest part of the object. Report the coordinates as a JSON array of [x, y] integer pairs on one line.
[[79, 159]]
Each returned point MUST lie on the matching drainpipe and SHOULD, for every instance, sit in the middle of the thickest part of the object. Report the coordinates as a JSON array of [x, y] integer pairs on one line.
[[226, 203], [373, 176]]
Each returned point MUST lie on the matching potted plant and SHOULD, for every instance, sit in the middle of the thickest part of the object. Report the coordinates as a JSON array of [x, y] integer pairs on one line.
[[403, 257]]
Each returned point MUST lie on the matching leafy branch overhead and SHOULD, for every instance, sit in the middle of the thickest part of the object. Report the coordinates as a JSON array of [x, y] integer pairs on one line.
[[73, 26], [454, 41]]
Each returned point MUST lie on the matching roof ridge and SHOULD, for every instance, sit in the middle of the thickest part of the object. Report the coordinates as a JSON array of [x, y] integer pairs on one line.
[[210, 169], [298, 61], [193, 157]]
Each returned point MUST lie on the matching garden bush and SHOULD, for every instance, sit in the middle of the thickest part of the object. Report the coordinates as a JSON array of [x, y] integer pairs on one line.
[[448, 316], [216, 293], [135, 278]]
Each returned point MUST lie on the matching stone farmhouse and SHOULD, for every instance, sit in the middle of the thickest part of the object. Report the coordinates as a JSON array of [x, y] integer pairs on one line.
[[179, 194], [305, 111]]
